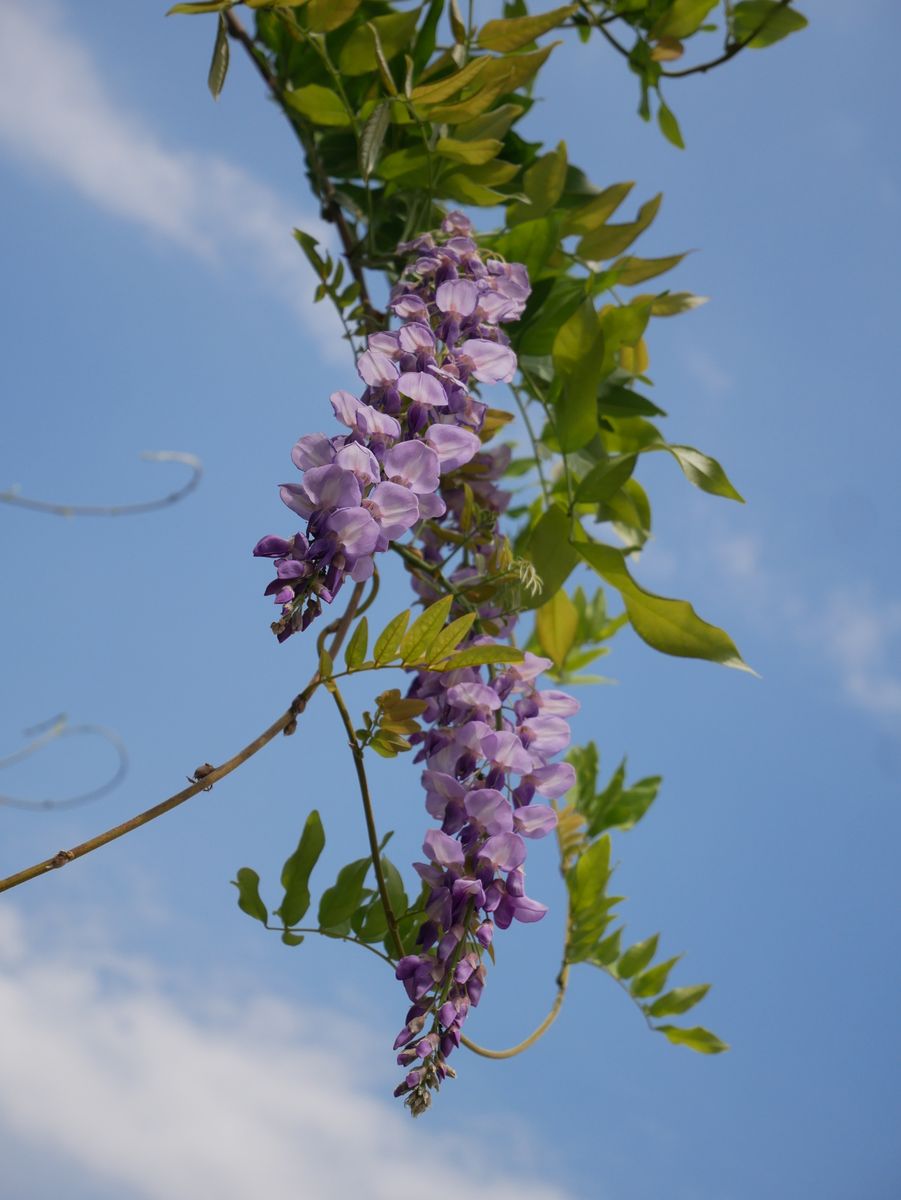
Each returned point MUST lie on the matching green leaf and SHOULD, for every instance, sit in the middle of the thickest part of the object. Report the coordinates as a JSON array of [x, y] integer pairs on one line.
[[670, 626], [475, 153], [434, 93], [682, 18], [543, 185], [292, 939], [248, 885], [697, 1038], [630, 805], [476, 656], [516, 32], [450, 637], [460, 186], [636, 270], [296, 871], [395, 32], [594, 214], [389, 639], [701, 470], [424, 629], [587, 885], [322, 16], [670, 304], [326, 665], [355, 653], [219, 62], [610, 240], [780, 21], [652, 981], [426, 39], [579, 357], [556, 624], [669, 126], [551, 553], [342, 899], [679, 1000], [637, 957], [319, 104], [394, 886], [604, 480], [201, 6], [373, 137]]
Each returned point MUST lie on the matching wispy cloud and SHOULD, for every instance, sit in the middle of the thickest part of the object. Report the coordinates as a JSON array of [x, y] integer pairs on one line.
[[168, 1095], [856, 632], [708, 372], [75, 130]]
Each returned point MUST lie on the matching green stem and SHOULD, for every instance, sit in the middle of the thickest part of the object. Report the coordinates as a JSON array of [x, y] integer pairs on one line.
[[357, 752], [338, 937]]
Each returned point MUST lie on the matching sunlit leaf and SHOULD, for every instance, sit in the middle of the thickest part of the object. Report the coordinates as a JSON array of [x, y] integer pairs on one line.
[[697, 1038], [248, 885], [768, 20], [516, 32], [424, 629], [388, 641], [355, 652]]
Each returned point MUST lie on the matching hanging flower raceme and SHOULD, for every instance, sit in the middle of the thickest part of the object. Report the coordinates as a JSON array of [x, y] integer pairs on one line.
[[414, 421], [492, 736]]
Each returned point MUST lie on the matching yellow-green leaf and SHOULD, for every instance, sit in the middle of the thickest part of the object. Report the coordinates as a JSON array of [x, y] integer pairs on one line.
[[356, 647], [319, 104], [682, 18], [322, 16], [389, 639], [595, 213], [516, 32], [696, 1038], [423, 630], [395, 30], [434, 93], [449, 638], [477, 656], [767, 20], [610, 240], [670, 626], [219, 61], [636, 270], [473, 152], [556, 624]]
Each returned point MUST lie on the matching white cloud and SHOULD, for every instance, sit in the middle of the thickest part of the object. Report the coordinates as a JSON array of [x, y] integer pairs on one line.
[[855, 632], [708, 372], [57, 114], [169, 1096]]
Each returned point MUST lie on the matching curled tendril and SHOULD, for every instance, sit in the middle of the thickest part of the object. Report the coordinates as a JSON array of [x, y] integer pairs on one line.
[[50, 731], [11, 495]]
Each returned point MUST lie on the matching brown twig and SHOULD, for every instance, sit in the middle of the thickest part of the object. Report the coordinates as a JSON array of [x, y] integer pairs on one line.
[[701, 68], [285, 723]]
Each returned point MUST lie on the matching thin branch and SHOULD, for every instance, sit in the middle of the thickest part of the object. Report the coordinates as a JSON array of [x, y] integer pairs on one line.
[[539, 1032], [204, 777], [338, 937], [11, 496], [325, 189], [357, 752], [729, 52], [49, 732]]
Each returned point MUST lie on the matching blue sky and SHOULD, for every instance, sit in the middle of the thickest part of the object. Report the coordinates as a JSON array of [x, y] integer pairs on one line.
[[156, 1043]]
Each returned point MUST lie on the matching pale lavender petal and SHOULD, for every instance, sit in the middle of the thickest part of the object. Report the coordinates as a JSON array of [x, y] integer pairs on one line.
[[488, 808], [554, 781], [431, 506], [535, 820], [505, 851], [546, 735], [355, 529], [410, 306], [528, 911], [505, 750], [453, 445], [371, 422], [423, 388], [313, 450], [297, 500], [444, 785], [416, 338], [384, 342], [376, 369], [457, 296], [345, 407], [530, 668], [394, 507], [489, 361], [415, 465], [331, 487], [474, 695], [363, 569], [441, 848], [361, 461], [560, 704]]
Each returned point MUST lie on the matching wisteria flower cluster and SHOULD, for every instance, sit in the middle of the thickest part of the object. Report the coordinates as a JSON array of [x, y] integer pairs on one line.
[[491, 739]]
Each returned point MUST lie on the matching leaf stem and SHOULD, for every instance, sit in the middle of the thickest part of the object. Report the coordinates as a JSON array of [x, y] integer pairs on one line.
[[357, 752]]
